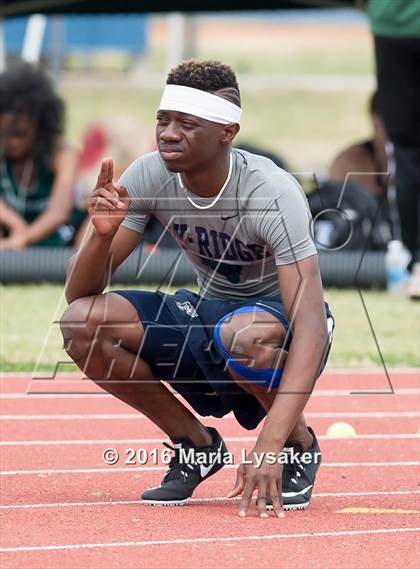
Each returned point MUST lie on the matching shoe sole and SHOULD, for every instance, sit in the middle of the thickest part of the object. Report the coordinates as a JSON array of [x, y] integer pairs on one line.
[[165, 503], [288, 508], [292, 507]]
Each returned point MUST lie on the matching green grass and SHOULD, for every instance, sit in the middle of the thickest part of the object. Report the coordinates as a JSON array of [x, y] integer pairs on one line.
[[31, 339]]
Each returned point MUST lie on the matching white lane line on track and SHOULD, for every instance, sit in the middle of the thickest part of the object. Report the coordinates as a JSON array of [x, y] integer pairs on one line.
[[216, 539], [317, 393], [111, 469], [198, 500], [34, 396], [329, 371], [138, 416], [158, 440]]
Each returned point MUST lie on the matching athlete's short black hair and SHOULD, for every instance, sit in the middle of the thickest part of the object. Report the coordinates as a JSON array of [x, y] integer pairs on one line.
[[26, 90], [207, 75], [374, 104]]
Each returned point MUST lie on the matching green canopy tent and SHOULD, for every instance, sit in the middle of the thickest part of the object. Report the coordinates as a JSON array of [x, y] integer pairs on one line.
[[27, 7]]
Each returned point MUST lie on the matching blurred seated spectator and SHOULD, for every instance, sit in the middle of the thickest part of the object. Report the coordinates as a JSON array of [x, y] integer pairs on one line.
[[364, 165], [37, 167], [254, 149], [121, 137], [367, 159]]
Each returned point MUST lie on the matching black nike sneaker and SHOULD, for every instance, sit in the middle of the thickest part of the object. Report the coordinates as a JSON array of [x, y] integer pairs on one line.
[[299, 471], [189, 466], [299, 474]]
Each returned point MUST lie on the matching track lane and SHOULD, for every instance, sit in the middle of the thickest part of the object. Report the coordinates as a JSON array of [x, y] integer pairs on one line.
[[153, 453], [331, 379], [316, 552], [36, 405], [136, 522], [114, 485], [316, 542], [128, 429]]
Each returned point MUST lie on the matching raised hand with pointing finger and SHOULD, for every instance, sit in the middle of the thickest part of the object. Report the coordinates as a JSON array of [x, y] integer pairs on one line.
[[108, 203]]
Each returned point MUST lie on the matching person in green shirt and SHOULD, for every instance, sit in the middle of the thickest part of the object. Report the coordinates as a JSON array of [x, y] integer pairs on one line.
[[38, 169], [396, 28]]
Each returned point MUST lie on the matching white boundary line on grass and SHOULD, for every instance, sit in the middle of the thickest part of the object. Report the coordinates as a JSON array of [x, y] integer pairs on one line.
[[207, 540], [112, 469], [158, 440], [198, 500], [139, 416]]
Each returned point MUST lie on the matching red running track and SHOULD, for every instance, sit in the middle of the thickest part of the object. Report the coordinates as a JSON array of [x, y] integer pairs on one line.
[[61, 506]]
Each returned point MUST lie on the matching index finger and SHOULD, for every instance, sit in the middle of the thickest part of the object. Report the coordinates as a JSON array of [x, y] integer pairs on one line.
[[105, 173], [122, 191]]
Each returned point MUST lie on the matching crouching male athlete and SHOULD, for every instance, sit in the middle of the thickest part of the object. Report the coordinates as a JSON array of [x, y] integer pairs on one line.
[[255, 338]]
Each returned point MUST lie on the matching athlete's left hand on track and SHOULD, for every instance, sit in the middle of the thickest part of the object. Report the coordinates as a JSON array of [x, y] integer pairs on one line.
[[266, 478]]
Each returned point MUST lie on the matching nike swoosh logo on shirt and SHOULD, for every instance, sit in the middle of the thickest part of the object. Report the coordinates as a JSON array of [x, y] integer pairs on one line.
[[204, 470], [225, 218]]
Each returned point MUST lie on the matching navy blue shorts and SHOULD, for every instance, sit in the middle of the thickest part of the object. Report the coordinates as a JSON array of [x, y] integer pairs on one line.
[[179, 346]]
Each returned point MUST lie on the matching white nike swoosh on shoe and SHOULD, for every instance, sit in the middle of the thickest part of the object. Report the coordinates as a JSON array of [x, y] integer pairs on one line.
[[293, 494], [204, 470]]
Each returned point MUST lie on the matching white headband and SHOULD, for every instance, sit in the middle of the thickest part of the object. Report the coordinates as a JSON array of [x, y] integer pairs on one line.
[[200, 104]]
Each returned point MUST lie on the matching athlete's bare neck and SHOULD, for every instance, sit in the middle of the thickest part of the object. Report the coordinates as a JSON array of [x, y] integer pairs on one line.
[[208, 181]]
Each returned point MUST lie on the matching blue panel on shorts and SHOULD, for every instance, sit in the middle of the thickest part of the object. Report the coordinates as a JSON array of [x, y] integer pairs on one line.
[[267, 377]]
